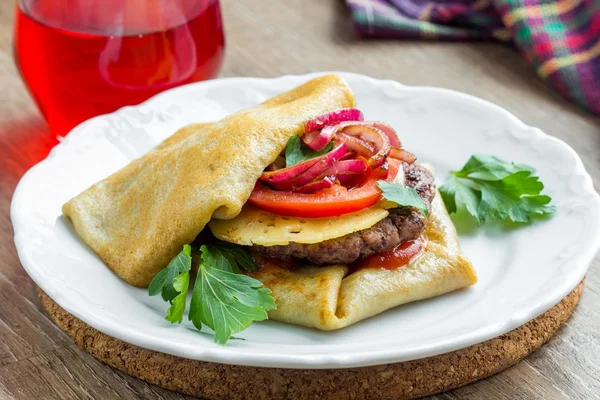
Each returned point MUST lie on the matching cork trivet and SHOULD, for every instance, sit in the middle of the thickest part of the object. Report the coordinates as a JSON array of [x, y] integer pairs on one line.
[[406, 380]]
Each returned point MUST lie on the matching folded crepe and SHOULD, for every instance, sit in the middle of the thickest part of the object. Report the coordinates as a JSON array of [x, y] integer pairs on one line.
[[333, 297], [139, 218]]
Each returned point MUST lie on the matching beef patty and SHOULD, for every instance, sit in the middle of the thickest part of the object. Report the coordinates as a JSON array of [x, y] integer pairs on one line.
[[402, 224]]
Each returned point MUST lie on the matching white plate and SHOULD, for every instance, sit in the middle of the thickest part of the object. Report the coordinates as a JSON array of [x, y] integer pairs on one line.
[[523, 272]]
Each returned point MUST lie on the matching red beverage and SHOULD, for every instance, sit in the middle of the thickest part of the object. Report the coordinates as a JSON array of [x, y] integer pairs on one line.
[[82, 58]]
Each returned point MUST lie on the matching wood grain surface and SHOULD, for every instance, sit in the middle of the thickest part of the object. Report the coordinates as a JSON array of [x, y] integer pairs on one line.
[[270, 38]]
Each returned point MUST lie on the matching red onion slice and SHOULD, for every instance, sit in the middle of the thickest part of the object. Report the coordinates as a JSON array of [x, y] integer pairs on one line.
[[317, 140], [324, 183], [321, 165], [344, 114], [289, 172], [385, 128], [389, 131], [362, 138], [360, 148], [347, 167], [355, 145], [402, 155], [375, 137], [349, 180], [348, 172]]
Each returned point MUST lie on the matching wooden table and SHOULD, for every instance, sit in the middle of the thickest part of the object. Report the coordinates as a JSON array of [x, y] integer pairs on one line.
[[271, 38]]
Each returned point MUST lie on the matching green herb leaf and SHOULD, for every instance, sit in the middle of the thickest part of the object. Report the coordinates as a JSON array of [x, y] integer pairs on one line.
[[403, 196], [489, 167], [219, 258], [239, 254], [297, 151], [490, 189], [223, 298], [180, 285], [168, 292], [228, 257], [456, 196], [225, 301], [513, 198], [163, 281]]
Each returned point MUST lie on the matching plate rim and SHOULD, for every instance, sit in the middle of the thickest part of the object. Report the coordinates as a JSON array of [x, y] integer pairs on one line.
[[226, 355]]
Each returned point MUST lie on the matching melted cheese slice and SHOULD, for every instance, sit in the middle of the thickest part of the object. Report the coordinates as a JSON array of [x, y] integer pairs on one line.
[[255, 226]]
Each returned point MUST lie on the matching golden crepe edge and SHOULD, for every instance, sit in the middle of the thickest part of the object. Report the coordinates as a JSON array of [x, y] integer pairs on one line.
[[138, 219]]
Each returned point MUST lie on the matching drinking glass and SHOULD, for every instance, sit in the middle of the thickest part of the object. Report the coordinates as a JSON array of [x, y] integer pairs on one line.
[[82, 58]]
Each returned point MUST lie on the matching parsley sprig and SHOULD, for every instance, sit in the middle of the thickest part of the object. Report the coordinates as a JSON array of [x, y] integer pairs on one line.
[[223, 298], [164, 280], [490, 189], [403, 196]]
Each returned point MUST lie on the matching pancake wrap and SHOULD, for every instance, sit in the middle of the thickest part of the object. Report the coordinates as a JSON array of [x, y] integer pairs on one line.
[[333, 297], [139, 218]]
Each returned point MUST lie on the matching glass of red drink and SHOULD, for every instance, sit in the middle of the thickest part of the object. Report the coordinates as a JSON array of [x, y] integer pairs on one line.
[[82, 58]]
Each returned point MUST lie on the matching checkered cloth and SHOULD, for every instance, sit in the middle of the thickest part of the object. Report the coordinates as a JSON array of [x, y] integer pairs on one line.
[[561, 39]]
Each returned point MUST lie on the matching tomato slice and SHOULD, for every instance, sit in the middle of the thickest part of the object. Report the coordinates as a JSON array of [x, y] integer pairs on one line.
[[334, 201], [396, 258]]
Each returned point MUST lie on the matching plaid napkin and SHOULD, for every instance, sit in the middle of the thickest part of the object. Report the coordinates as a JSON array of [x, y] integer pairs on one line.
[[560, 38]]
